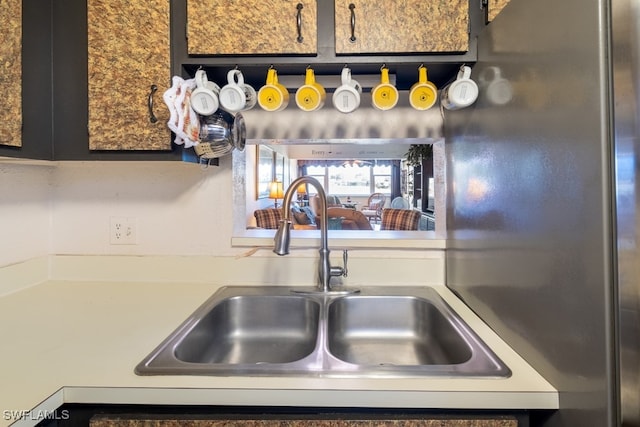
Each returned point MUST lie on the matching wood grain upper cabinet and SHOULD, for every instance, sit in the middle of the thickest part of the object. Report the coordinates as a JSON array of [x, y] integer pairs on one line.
[[11, 72], [407, 26], [128, 53], [494, 7], [245, 27]]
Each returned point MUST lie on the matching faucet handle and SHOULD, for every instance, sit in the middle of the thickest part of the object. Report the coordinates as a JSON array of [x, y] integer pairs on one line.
[[340, 271], [345, 258]]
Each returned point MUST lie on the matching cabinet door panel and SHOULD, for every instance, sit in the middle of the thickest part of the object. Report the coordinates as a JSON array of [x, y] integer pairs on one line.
[[234, 27], [357, 421], [494, 7], [407, 26], [11, 72], [128, 53]]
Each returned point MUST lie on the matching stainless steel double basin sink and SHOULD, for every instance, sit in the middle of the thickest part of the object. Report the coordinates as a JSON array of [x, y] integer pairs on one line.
[[275, 331]]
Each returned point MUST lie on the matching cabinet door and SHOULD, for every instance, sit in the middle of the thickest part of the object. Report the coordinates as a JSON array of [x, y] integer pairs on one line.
[[494, 7], [11, 72], [143, 420], [128, 52], [234, 27], [408, 26]]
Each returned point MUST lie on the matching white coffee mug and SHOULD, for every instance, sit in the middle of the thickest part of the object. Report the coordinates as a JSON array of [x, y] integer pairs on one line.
[[462, 92], [237, 96], [346, 97], [204, 98]]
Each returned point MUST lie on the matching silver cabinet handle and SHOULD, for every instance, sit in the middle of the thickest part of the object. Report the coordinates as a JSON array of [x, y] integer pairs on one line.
[[352, 8], [299, 22], [152, 117]]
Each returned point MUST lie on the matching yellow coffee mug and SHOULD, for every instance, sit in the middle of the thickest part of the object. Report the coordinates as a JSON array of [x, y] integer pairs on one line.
[[384, 96], [311, 95], [423, 94], [273, 96]]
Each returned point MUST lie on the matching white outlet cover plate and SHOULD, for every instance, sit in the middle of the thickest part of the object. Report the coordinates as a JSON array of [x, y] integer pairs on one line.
[[123, 230]]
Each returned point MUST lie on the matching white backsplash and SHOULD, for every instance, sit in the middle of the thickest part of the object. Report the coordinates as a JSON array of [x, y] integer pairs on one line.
[[25, 211], [182, 209], [65, 208]]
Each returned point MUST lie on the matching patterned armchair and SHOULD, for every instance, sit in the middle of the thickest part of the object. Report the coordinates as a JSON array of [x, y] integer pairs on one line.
[[400, 219], [375, 203], [270, 219]]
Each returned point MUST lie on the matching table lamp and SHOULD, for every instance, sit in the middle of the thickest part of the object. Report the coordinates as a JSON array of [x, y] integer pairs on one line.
[[276, 191], [302, 191]]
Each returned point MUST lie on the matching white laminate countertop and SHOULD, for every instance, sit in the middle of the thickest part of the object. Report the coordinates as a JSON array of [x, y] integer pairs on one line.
[[78, 341]]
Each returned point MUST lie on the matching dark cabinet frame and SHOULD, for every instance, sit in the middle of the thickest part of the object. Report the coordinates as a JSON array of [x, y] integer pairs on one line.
[[442, 66], [70, 99], [55, 94]]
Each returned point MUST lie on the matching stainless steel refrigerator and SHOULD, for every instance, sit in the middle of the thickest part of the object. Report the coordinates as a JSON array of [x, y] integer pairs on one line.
[[542, 199]]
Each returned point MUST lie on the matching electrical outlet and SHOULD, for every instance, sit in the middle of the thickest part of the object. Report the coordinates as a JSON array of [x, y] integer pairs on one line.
[[123, 230]]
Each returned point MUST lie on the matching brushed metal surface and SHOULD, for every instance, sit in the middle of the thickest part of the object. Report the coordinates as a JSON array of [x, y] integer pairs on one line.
[[403, 331], [529, 214], [273, 330], [626, 84], [256, 329]]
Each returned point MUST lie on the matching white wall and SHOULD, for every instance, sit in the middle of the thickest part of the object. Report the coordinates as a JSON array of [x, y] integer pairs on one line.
[[65, 208], [181, 208], [25, 211]]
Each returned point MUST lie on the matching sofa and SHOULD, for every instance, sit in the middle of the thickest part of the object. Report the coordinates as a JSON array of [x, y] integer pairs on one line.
[[332, 202], [351, 219]]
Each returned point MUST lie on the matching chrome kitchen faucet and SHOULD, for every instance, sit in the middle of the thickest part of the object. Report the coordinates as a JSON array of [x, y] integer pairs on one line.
[[283, 236]]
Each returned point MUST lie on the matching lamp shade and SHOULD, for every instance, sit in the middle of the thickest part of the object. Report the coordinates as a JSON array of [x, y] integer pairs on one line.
[[302, 189], [276, 190]]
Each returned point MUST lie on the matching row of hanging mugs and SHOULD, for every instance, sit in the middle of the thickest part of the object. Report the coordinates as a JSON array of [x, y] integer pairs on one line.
[[238, 96]]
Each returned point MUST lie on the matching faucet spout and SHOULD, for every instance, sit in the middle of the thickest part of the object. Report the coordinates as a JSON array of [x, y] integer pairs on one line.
[[283, 235], [282, 239]]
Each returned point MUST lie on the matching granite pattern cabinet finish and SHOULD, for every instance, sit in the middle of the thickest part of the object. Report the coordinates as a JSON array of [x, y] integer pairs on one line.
[[128, 52], [11, 72], [234, 27], [494, 7], [411, 26], [105, 421]]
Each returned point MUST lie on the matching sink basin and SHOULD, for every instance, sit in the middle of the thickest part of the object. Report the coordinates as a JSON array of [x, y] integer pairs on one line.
[[394, 330], [253, 329], [406, 332]]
